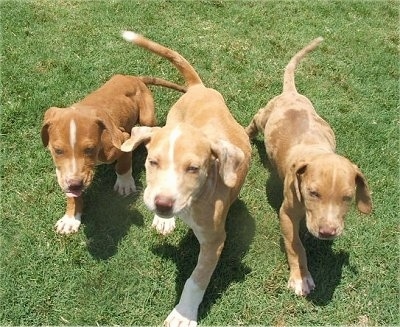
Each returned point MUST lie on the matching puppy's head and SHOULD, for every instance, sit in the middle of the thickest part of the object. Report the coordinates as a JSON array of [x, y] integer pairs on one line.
[[74, 139], [326, 186], [182, 164]]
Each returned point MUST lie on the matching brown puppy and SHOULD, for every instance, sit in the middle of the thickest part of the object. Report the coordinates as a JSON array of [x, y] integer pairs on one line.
[[318, 183], [195, 168], [91, 132]]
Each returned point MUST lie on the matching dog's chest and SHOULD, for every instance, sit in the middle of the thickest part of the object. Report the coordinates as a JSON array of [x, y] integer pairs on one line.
[[187, 217]]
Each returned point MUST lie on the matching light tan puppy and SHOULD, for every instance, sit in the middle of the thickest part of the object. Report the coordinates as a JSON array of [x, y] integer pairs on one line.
[[195, 168], [91, 132], [318, 183]]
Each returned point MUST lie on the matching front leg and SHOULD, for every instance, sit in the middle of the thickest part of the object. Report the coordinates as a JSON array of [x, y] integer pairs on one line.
[[300, 279], [185, 312], [125, 184], [71, 221]]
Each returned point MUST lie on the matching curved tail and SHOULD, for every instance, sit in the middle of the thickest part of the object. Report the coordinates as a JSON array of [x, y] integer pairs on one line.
[[288, 77], [148, 80], [189, 74]]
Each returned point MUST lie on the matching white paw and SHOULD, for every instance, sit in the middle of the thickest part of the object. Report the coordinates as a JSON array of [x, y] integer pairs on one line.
[[302, 286], [125, 184], [163, 226], [175, 319], [68, 224], [185, 313]]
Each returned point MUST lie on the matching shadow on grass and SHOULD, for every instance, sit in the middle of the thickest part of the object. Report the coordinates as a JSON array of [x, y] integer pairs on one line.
[[324, 264], [273, 186], [240, 229], [107, 216]]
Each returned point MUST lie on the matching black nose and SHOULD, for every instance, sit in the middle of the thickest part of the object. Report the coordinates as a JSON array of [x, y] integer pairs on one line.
[[164, 204]]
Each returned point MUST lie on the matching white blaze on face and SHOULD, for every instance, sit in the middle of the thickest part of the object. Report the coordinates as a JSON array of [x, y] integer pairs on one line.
[[333, 182], [332, 210], [171, 175], [172, 140], [72, 141]]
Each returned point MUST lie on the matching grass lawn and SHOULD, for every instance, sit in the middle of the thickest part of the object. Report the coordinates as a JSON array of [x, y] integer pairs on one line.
[[116, 270]]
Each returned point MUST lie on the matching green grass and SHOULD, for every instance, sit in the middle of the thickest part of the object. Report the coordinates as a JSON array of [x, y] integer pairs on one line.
[[116, 270]]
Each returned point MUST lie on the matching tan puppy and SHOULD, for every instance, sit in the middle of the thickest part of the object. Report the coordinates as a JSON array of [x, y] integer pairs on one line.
[[318, 183], [195, 168], [91, 132]]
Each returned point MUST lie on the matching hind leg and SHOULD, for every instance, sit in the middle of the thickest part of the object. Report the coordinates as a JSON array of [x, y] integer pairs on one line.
[[147, 112], [258, 122]]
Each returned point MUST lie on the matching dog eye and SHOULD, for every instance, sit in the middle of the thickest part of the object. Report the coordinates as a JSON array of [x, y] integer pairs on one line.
[[347, 198], [315, 194], [153, 163], [58, 151], [192, 169], [89, 151]]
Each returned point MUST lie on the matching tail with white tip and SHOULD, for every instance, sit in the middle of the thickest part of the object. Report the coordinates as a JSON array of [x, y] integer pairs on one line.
[[189, 74]]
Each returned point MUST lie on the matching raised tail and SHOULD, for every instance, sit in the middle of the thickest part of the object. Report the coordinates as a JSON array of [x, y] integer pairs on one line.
[[148, 80], [288, 76], [189, 74]]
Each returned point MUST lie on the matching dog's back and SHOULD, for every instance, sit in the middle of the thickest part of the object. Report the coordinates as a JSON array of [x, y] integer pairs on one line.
[[201, 107], [289, 121], [295, 132]]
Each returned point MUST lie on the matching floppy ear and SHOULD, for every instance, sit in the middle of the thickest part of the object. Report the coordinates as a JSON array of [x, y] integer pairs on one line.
[[49, 115], [230, 157], [139, 135], [298, 170], [363, 195], [117, 135]]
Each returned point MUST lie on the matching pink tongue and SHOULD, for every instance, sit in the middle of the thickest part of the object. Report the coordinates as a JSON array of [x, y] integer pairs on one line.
[[73, 194]]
